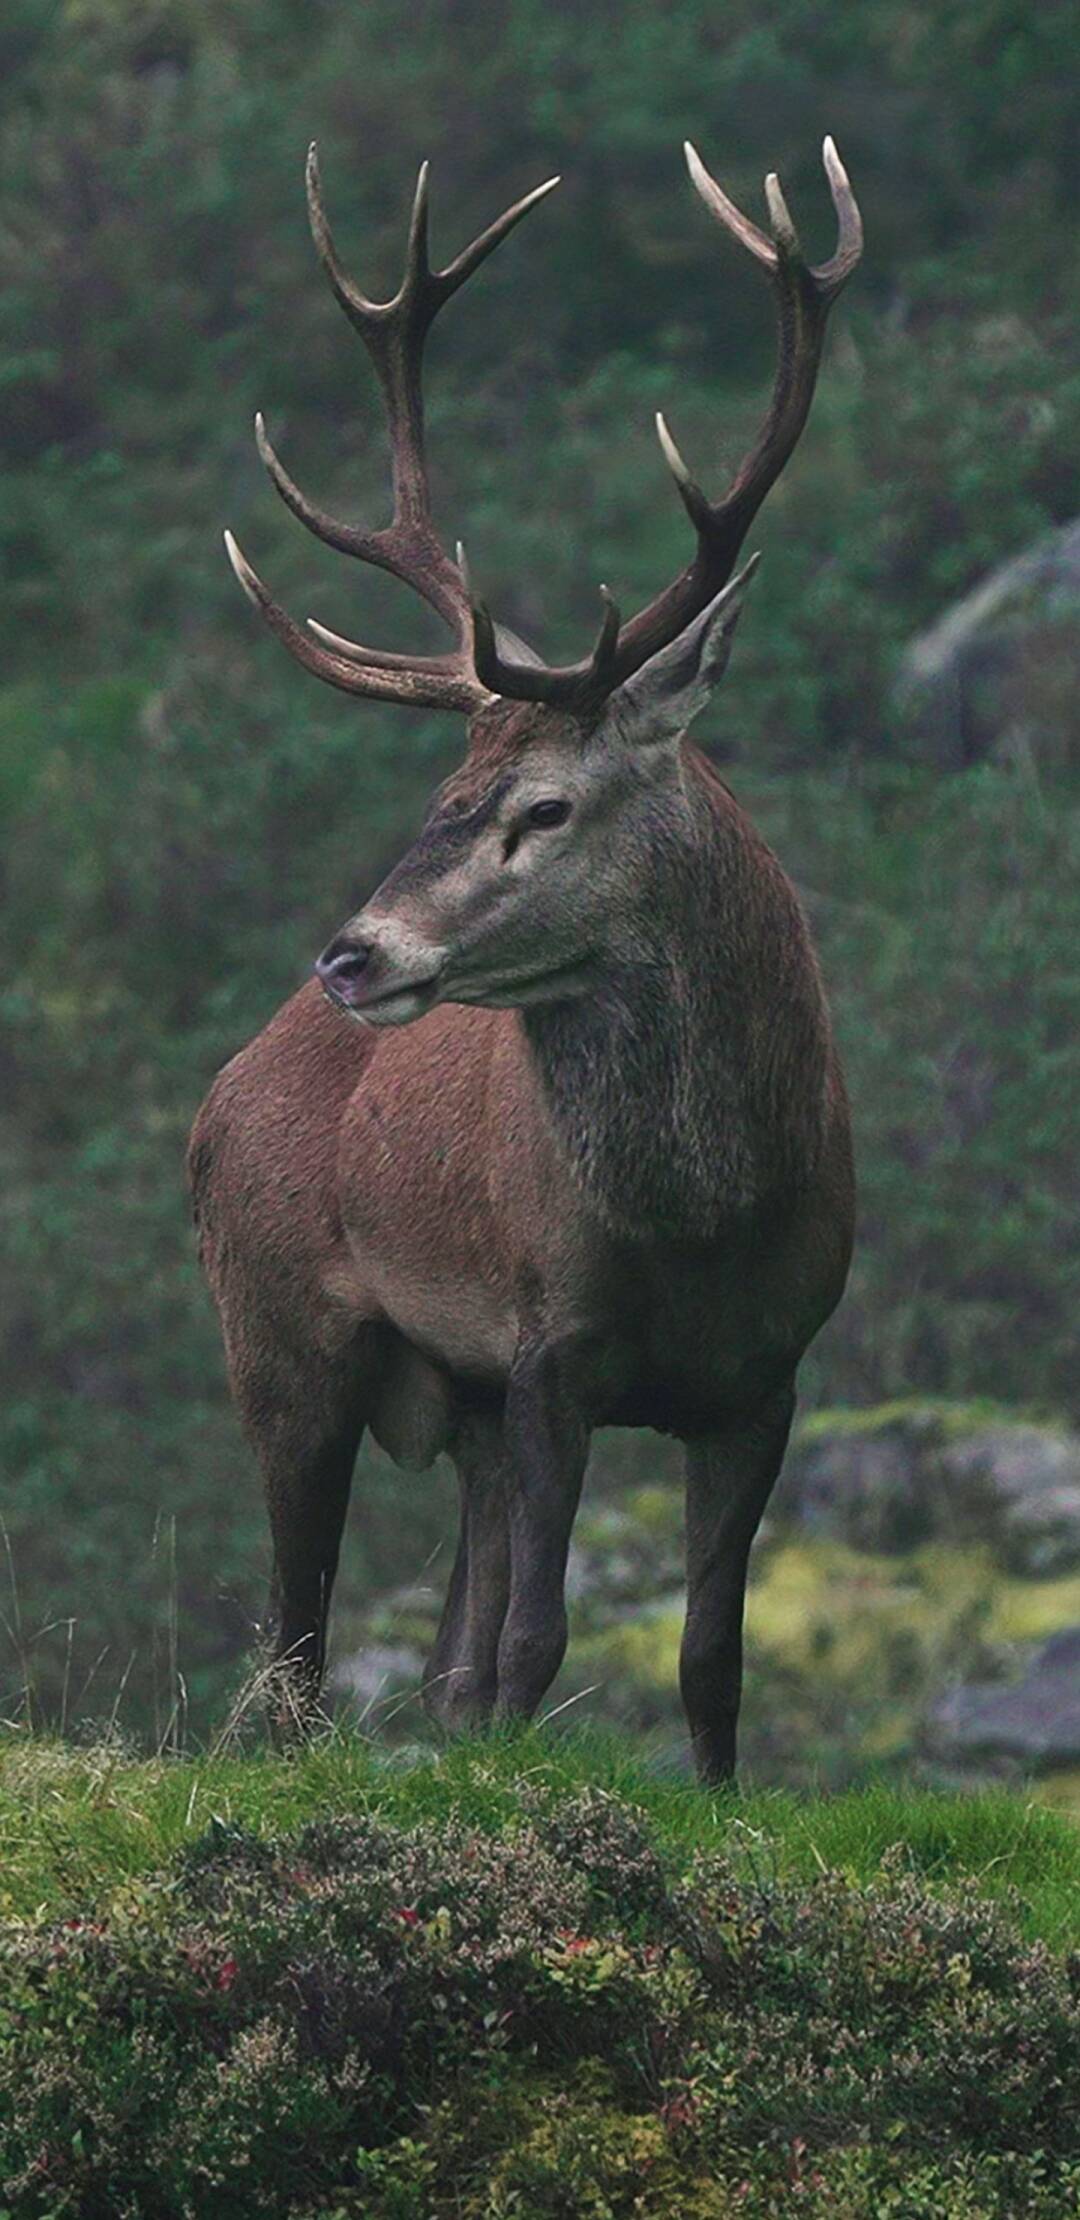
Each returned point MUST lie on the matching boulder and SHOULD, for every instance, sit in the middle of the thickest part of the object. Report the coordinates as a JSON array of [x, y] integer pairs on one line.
[[999, 672], [864, 1486], [1034, 1720], [1019, 1486], [888, 1481], [626, 1553], [381, 1670]]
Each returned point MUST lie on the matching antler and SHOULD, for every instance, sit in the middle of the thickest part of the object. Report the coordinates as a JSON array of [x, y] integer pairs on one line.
[[485, 659], [394, 333], [804, 298]]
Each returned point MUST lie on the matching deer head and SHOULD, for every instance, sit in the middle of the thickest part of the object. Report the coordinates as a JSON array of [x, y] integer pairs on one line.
[[517, 888]]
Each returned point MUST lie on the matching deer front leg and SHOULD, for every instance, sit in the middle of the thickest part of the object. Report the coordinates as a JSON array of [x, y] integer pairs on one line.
[[461, 1680], [729, 1477], [547, 1443], [305, 1423]]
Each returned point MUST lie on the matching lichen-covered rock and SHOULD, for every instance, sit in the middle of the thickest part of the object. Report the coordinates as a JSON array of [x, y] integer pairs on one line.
[[1024, 1481], [1035, 1720], [891, 1480], [626, 1553], [867, 1486], [910, 1549], [1000, 671]]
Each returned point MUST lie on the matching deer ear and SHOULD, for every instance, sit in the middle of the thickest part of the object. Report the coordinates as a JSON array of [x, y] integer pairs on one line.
[[516, 649], [664, 696]]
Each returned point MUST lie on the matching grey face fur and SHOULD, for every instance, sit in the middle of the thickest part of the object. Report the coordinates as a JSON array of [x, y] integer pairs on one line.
[[527, 894]]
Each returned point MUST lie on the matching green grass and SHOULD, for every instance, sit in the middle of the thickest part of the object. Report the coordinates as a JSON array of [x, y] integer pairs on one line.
[[76, 1824]]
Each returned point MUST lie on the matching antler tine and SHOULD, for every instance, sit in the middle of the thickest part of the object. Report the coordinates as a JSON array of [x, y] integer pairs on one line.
[[804, 297], [471, 257], [417, 265], [725, 210], [602, 659], [696, 503], [380, 659], [349, 539], [569, 686], [394, 332], [833, 274], [356, 305], [389, 549], [429, 682]]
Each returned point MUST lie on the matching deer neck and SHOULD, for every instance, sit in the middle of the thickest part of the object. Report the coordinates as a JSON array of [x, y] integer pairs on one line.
[[688, 1089]]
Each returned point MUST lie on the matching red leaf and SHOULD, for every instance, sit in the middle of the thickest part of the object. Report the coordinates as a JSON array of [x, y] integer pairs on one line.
[[678, 2112]]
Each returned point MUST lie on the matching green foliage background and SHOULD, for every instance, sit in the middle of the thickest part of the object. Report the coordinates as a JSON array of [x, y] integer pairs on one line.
[[188, 817]]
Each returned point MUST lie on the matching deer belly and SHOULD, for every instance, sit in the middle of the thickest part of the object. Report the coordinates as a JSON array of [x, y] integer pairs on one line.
[[463, 1325]]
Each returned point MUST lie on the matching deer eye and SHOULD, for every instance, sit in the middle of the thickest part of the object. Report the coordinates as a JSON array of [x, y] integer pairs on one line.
[[553, 812]]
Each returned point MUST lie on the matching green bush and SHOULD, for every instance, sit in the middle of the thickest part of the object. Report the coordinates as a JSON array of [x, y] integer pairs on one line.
[[359, 2019]]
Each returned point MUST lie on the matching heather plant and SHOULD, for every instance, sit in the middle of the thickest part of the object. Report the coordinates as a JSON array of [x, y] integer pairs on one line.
[[551, 2018]]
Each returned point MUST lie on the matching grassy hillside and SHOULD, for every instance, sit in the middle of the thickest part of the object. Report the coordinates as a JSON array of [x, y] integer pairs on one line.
[[75, 1823], [525, 1978]]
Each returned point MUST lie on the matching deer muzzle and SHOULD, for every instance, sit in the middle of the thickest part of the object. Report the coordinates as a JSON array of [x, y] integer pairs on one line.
[[378, 972]]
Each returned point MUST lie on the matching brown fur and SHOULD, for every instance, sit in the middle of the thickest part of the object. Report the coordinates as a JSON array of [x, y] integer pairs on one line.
[[406, 1228]]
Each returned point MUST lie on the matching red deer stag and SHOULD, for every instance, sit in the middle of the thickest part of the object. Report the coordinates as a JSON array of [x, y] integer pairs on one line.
[[586, 1161]]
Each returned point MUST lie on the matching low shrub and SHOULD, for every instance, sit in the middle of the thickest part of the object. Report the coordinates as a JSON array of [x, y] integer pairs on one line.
[[362, 2019]]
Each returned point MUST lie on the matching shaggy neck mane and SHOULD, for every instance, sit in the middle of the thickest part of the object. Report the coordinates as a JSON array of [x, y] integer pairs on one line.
[[689, 1088]]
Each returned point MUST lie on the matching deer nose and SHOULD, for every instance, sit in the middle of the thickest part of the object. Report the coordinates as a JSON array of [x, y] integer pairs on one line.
[[342, 962]]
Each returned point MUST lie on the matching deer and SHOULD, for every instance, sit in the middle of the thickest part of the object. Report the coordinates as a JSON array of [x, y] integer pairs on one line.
[[556, 1135]]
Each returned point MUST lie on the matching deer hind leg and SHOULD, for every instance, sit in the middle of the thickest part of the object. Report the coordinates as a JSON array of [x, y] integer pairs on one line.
[[304, 1416], [729, 1477], [461, 1677], [547, 1447]]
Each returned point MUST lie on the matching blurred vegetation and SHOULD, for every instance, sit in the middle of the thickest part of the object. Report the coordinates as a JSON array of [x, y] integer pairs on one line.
[[188, 817]]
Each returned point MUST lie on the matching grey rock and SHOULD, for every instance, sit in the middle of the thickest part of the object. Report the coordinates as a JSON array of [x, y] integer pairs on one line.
[[578, 1574], [999, 673], [1035, 1720], [910, 1479], [616, 1559], [382, 1669], [1020, 1487], [871, 1488]]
